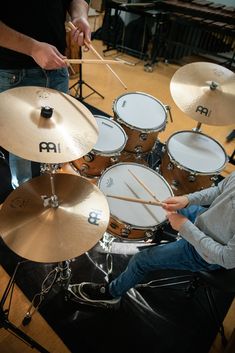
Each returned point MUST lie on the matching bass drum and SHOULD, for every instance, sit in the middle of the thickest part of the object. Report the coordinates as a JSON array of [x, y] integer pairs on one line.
[[192, 161], [132, 220]]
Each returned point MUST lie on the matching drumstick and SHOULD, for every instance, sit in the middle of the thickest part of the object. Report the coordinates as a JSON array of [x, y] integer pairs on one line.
[[71, 26], [132, 199], [92, 61], [145, 206], [144, 186]]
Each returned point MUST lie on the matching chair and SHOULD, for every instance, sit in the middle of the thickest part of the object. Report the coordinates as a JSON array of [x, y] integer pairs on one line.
[[222, 279]]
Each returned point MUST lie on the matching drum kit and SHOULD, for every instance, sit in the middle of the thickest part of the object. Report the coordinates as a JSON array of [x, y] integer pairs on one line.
[[64, 212], [94, 173]]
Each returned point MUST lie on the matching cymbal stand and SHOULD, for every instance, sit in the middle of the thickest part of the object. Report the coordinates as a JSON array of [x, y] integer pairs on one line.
[[61, 274], [77, 86], [4, 313]]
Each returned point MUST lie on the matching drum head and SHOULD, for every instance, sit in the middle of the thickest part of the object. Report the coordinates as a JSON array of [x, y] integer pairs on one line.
[[112, 138], [141, 111], [196, 152], [117, 180]]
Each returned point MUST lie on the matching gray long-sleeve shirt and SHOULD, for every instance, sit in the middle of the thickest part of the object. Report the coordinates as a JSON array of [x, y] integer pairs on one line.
[[213, 233]]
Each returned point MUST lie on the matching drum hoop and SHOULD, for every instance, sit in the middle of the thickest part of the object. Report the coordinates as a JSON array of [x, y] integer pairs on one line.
[[194, 172], [157, 128], [134, 226], [132, 127]]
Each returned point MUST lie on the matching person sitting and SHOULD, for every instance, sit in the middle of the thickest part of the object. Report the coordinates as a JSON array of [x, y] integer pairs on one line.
[[205, 221]]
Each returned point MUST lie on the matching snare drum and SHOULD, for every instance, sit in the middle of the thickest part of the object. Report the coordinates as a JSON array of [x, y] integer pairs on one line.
[[131, 220], [192, 161], [142, 117], [111, 141]]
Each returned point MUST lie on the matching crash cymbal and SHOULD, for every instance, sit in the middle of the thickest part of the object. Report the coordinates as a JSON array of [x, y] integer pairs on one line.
[[36, 231], [45, 125], [206, 92]]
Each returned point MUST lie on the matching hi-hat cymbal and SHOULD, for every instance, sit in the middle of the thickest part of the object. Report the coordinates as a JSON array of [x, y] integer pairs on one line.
[[42, 233], [206, 92], [45, 125]]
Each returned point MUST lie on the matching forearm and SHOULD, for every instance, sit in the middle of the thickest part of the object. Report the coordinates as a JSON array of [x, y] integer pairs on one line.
[[11, 39], [78, 9]]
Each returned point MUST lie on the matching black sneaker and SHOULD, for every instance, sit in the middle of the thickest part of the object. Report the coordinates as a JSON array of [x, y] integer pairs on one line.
[[95, 293]]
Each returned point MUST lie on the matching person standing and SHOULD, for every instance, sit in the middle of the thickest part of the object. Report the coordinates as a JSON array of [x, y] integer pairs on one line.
[[32, 48]]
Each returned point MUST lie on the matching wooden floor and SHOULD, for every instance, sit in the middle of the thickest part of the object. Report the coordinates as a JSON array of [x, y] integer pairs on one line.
[[157, 84]]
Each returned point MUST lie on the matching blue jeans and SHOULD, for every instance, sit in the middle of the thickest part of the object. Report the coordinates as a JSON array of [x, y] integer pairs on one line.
[[177, 255], [55, 79]]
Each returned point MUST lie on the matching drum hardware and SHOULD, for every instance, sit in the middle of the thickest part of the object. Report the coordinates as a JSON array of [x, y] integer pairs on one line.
[[143, 137], [114, 159], [77, 86], [69, 133], [205, 92], [168, 109], [4, 314], [88, 157], [139, 149], [60, 275], [191, 178]]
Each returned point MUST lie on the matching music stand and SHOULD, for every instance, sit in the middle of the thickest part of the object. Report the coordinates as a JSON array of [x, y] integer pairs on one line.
[[77, 86], [7, 325]]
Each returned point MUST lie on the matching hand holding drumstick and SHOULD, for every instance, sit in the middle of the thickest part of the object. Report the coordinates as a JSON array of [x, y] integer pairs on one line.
[[88, 45]]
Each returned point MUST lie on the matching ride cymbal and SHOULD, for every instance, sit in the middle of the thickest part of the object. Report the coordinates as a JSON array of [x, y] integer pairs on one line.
[[45, 125], [37, 231], [206, 92]]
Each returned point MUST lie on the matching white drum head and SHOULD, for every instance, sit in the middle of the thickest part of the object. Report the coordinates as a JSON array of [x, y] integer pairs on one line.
[[141, 111], [196, 152], [112, 137], [117, 180]]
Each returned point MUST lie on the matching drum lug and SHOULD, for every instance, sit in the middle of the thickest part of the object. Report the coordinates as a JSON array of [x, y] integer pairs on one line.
[[191, 178], [170, 166], [149, 234], [126, 231], [88, 157], [84, 168], [138, 149], [214, 178], [114, 159], [163, 148], [175, 184], [143, 136]]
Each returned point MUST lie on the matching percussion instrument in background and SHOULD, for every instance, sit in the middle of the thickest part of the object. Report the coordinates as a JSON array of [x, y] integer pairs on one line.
[[111, 141], [72, 52], [131, 220], [192, 161], [142, 117]]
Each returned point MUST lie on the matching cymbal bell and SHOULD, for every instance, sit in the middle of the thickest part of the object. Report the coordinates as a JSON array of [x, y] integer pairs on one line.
[[45, 125], [36, 231], [206, 92]]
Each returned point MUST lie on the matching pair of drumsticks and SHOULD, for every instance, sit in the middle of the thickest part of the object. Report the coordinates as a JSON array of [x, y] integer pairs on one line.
[[131, 199], [90, 61]]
